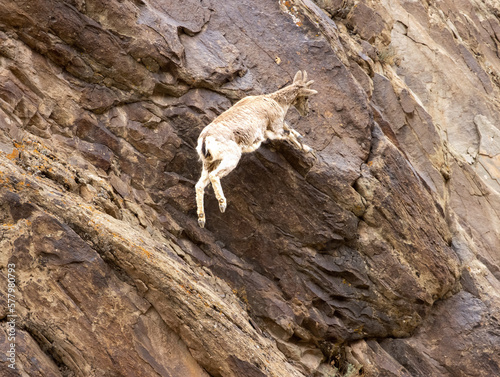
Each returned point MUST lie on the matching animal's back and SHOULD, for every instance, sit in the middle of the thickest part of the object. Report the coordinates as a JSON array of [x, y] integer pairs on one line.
[[246, 121]]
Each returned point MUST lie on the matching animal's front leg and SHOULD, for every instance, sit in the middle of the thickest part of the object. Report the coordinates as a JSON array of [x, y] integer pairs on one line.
[[295, 138]]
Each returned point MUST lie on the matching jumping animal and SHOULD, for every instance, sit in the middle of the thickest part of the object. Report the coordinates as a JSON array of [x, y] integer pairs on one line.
[[242, 129]]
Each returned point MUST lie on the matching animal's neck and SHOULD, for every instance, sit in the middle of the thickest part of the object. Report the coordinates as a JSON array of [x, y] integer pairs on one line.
[[285, 96]]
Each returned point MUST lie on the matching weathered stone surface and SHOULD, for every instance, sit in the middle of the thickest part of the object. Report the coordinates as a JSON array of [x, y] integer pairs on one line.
[[32, 361], [463, 315], [366, 258]]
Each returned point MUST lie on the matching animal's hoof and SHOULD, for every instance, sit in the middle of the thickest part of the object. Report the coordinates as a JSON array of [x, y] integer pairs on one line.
[[201, 221], [222, 205], [313, 152], [306, 148]]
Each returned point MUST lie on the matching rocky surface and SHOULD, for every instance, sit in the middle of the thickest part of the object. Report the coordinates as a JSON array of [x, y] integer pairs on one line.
[[379, 256]]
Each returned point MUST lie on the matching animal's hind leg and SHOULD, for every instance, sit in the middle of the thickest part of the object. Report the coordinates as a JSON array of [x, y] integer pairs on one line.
[[227, 164], [200, 193]]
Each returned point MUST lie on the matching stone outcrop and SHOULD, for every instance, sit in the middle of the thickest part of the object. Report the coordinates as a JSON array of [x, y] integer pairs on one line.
[[377, 256]]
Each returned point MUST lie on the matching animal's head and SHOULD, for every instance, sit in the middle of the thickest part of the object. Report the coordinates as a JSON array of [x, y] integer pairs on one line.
[[301, 102]]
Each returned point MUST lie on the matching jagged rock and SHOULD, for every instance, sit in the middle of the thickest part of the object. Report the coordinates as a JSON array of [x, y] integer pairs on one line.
[[367, 257]]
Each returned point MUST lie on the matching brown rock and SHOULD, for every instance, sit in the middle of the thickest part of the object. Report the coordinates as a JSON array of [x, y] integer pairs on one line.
[[30, 359], [366, 22]]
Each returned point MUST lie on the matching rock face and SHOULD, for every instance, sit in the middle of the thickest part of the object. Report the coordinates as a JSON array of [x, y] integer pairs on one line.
[[379, 256]]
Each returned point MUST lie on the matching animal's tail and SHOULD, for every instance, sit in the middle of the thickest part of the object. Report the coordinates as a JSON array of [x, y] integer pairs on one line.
[[202, 148]]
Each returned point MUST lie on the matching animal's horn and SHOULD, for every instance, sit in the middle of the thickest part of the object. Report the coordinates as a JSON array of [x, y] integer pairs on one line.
[[304, 77], [298, 77], [308, 92]]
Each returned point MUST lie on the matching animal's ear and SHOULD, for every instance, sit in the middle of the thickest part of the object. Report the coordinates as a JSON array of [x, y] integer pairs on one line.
[[308, 84], [308, 92], [298, 77]]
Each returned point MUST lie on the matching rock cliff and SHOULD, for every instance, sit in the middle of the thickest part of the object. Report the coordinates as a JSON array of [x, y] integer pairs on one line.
[[378, 257]]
